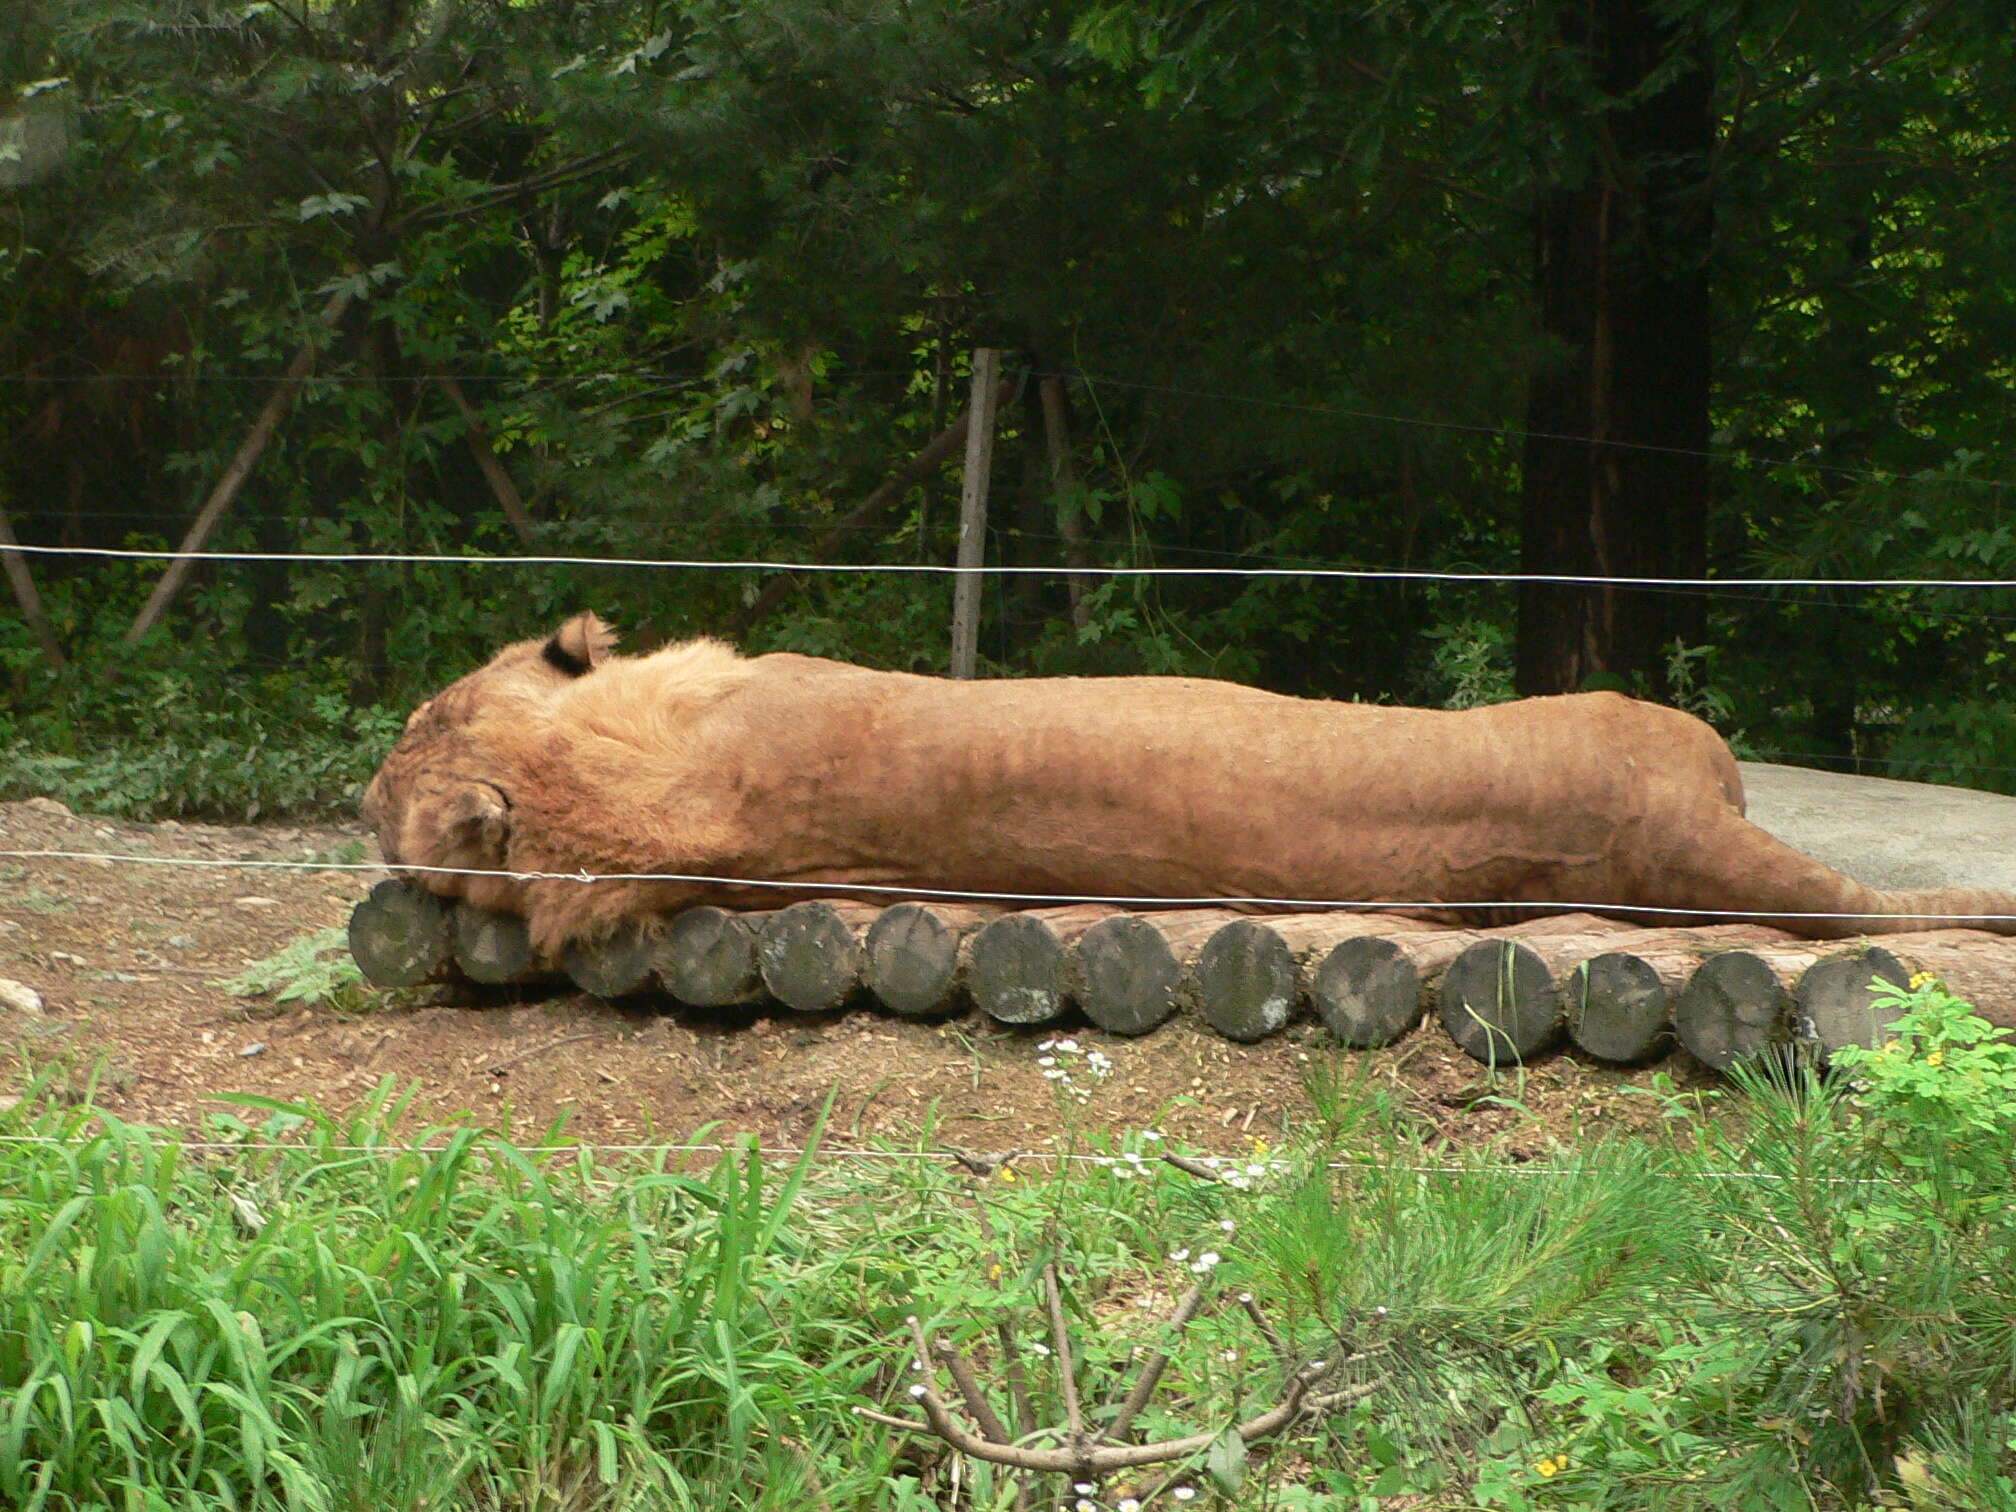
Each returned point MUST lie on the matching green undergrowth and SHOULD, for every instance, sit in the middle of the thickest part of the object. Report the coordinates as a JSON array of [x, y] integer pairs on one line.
[[176, 741], [1789, 1297]]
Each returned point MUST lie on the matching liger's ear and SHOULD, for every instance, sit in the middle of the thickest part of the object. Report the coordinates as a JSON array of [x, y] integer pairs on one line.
[[477, 816], [580, 646]]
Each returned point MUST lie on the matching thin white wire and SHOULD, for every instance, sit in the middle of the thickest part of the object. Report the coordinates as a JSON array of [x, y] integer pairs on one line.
[[935, 1157], [962, 895], [948, 569]]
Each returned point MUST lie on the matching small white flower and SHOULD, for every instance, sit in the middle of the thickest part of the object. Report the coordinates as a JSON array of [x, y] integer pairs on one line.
[[1132, 1158], [1378, 1312], [1206, 1262], [1228, 1354], [1046, 1060], [1085, 1506], [1038, 1349], [1068, 1046], [1125, 1173], [1256, 1169], [1184, 1493], [1179, 1256], [1128, 1504], [1245, 1296], [1149, 1134], [1228, 1225], [916, 1364], [1239, 1183], [1083, 1488], [918, 1390]]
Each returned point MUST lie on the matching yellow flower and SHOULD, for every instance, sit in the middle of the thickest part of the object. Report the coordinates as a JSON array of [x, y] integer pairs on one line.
[[1921, 980], [1552, 1465], [1936, 1058], [1006, 1173], [1896, 1047]]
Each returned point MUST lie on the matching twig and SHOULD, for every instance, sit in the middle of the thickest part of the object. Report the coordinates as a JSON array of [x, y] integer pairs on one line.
[[524, 1055], [1158, 1360], [1061, 1342], [961, 1371], [1191, 1165], [1266, 1329], [1106, 1459]]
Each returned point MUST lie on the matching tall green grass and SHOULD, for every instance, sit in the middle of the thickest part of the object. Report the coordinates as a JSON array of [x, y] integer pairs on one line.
[[340, 1325], [1794, 1297]]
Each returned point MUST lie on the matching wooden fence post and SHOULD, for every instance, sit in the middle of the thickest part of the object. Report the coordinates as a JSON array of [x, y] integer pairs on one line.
[[973, 512]]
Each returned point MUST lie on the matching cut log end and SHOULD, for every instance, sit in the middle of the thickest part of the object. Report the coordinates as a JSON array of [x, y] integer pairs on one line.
[[1244, 981], [614, 967], [400, 936], [706, 956], [1734, 1010], [1126, 975], [492, 948], [1499, 1003], [810, 958], [1015, 969], [1367, 991], [1619, 1008], [1836, 1000], [911, 961]]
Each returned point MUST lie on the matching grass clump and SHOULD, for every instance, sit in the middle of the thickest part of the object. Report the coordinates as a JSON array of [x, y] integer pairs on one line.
[[341, 1324]]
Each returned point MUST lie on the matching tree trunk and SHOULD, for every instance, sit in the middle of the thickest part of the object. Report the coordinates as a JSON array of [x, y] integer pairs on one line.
[[23, 584], [1064, 492], [1615, 480], [278, 402], [493, 470]]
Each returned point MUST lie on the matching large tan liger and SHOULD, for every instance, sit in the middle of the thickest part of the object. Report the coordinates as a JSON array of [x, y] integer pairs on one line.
[[561, 757]]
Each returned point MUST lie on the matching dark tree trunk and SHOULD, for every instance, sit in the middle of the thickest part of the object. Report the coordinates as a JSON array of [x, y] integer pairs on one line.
[[1614, 483], [1837, 646]]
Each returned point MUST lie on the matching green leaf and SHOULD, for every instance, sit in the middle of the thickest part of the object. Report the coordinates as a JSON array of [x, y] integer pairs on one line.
[[1225, 1461]]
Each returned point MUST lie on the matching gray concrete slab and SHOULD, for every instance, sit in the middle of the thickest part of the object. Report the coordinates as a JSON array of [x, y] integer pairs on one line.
[[1885, 833]]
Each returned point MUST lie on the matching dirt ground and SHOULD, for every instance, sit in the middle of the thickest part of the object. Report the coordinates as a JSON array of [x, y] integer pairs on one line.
[[127, 959]]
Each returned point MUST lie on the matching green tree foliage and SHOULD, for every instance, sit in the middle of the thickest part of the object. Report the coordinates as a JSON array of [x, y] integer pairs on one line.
[[706, 277]]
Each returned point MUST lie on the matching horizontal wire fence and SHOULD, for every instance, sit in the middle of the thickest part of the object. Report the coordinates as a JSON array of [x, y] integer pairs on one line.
[[970, 895], [949, 569]]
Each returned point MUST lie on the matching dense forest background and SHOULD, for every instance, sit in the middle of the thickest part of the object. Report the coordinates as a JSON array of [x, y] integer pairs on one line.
[[1637, 288]]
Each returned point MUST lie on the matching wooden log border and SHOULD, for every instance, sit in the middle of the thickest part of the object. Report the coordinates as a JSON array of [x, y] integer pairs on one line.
[[1610, 991]]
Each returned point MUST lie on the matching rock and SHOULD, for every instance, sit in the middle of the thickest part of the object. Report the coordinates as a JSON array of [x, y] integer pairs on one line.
[[19, 997], [50, 806], [255, 902]]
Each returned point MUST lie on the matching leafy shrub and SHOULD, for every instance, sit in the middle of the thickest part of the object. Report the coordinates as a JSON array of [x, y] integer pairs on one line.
[[315, 969]]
